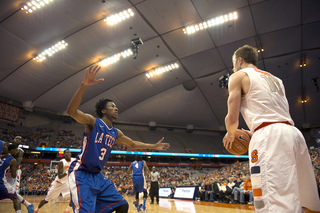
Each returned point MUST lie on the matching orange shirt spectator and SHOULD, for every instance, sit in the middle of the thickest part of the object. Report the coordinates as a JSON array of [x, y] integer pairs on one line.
[[247, 185]]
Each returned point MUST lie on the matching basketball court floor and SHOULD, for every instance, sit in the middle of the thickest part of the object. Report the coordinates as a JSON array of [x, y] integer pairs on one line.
[[165, 205]]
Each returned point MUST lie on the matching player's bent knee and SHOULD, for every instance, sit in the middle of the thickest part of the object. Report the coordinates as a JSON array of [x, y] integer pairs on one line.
[[145, 195], [123, 208]]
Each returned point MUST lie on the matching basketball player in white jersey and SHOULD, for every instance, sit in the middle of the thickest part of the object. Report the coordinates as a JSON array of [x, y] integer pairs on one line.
[[282, 176], [60, 184]]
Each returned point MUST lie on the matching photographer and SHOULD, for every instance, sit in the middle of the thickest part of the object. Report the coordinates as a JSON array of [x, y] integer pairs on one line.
[[173, 189]]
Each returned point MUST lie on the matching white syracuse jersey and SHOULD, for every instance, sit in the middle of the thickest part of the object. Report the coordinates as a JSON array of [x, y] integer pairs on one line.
[[265, 101], [66, 166]]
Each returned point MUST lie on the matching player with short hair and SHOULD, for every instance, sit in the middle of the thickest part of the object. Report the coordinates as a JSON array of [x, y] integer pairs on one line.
[[281, 171], [139, 182], [90, 191], [60, 184]]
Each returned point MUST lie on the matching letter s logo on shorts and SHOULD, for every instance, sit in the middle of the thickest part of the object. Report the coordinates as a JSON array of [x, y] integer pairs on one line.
[[254, 156]]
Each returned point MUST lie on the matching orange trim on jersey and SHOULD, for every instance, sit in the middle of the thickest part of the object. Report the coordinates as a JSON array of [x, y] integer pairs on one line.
[[264, 124], [263, 72], [257, 192]]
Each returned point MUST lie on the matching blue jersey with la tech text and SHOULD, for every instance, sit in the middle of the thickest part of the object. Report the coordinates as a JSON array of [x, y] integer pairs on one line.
[[96, 148], [137, 168]]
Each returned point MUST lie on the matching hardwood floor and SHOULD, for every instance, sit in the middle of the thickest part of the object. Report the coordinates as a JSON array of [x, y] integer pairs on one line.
[[165, 205]]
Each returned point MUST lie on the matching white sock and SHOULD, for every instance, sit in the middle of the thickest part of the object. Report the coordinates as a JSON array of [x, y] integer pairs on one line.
[[36, 210], [19, 211]]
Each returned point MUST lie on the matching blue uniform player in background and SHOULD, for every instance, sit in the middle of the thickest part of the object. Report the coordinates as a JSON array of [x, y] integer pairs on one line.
[[7, 162], [90, 191], [139, 182]]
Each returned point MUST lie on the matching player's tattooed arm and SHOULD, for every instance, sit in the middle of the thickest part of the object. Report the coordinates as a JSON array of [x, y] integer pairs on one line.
[[61, 174]]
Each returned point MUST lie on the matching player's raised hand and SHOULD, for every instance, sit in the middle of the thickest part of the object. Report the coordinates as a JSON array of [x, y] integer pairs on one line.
[[90, 76], [162, 146]]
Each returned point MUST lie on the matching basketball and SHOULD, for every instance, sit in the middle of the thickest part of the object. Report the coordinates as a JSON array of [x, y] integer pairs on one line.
[[241, 143]]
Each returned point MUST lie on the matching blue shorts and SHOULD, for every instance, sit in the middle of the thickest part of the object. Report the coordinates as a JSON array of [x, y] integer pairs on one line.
[[6, 191], [93, 193], [139, 184]]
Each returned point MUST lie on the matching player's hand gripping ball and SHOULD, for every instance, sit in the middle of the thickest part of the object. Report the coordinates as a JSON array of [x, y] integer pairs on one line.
[[241, 142]]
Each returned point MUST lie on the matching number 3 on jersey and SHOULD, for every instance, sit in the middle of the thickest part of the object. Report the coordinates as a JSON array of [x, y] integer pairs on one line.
[[103, 153]]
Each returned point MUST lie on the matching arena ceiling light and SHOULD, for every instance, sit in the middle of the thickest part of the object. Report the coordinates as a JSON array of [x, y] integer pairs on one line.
[[119, 17], [161, 70], [116, 57], [210, 23], [51, 51], [31, 6]]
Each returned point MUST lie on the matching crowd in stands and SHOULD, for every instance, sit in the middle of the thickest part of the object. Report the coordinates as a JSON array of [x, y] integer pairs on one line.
[[67, 139], [30, 138], [35, 178], [315, 157]]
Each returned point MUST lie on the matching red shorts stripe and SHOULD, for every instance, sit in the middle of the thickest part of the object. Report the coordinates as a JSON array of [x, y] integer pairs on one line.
[[111, 205], [264, 124]]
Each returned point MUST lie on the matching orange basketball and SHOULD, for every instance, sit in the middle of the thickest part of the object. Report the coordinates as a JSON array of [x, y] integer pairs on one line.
[[241, 143]]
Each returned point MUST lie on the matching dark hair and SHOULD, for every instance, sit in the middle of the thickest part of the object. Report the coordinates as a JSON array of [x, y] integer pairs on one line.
[[65, 150], [100, 105], [138, 157], [12, 146], [248, 53]]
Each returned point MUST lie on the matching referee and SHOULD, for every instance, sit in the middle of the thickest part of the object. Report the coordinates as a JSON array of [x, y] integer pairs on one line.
[[154, 189]]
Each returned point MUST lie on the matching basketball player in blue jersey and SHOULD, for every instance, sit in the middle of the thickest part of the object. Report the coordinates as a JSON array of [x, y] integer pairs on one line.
[[90, 191], [139, 182], [7, 162]]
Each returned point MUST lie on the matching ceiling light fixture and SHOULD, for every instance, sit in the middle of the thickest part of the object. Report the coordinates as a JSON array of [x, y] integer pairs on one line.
[[303, 62], [210, 23], [160, 70], [116, 57], [50, 51], [119, 17], [31, 6]]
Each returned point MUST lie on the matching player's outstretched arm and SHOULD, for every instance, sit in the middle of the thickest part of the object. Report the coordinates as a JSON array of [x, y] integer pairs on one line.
[[72, 110], [61, 174], [140, 145]]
